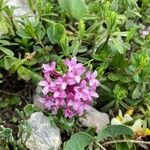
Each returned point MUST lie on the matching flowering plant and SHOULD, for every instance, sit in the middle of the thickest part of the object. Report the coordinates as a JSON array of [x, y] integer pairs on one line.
[[137, 127], [72, 91]]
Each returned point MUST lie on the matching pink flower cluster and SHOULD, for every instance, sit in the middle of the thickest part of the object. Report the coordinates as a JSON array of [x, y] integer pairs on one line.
[[73, 91]]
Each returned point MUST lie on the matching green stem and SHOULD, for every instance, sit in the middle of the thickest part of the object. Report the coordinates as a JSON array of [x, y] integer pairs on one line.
[[126, 141]]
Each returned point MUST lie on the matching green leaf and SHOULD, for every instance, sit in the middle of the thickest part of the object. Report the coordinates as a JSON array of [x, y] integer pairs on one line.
[[15, 65], [7, 51], [119, 61], [136, 92], [3, 26], [113, 77], [79, 141], [114, 5], [82, 49], [1, 4], [81, 28], [4, 103], [101, 40], [29, 109], [106, 88], [24, 73], [118, 45], [14, 100], [113, 131], [55, 33], [125, 146], [64, 42], [23, 34], [1, 75], [6, 134], [6, 63], [120, 33], [74, 8], [125, 79], [36, 78], [5, 42], [136, 78], [75, 47], [131, 32], [108, 22]]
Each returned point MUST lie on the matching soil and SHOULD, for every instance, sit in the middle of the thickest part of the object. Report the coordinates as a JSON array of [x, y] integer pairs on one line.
[[10, 87]]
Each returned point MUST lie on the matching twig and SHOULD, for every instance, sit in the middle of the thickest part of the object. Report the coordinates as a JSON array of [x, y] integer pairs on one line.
[[127, 141], [8, 93], [103, 148], [13, 94]]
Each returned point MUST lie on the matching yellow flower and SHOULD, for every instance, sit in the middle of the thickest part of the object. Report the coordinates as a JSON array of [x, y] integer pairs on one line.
[[120, 119], [130, 111], [147, 131], [139, 130]]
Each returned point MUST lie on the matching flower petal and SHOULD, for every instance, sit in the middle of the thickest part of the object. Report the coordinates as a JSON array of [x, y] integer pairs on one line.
[[43, 83]]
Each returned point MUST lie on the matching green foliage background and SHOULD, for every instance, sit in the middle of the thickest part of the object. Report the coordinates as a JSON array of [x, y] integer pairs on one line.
[[105, 35]]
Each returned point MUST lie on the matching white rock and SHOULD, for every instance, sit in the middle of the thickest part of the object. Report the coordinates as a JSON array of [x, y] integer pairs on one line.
[[37, 97], [22, 7], [95, 119], [43, 135]]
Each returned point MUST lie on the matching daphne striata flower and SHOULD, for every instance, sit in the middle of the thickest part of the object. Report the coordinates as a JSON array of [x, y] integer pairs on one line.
[[92, 79], [72, 92], [49, 68], [81, 90], [72, 64], [69, 112]]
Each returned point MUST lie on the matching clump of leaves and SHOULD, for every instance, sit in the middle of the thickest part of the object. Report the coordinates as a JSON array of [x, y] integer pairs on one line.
[[110, 36]]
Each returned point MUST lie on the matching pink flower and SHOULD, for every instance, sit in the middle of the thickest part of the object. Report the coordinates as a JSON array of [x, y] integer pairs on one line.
[[81, 90], [49, 68], [78, 105], [59, 93], [91, 94], [69, 113], [75, 70], [60, 102], [62, 81], [71, 63], [46, 86], [81, 107], [76, 74], [46, 102], [72, 92], [92, 79]]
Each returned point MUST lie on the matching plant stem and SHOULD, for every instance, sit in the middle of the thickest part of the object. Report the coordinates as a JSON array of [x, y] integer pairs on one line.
[[13, 94], [127, 141], [103, 148]]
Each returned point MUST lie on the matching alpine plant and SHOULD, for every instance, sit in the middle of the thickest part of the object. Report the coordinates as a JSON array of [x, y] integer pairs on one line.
[[72, 92]]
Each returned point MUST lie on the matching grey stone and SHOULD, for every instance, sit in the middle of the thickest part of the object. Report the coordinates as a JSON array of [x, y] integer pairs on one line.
[[22, 7], [43, 135], [95, 119], [37, 97]]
